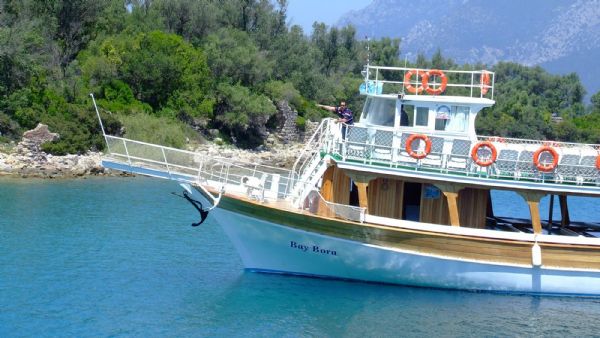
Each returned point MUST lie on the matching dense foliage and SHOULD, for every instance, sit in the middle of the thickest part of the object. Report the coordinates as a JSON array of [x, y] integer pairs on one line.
[[188, 66]]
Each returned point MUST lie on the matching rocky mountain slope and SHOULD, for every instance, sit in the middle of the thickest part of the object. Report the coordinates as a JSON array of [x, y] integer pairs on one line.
[[562, 36]]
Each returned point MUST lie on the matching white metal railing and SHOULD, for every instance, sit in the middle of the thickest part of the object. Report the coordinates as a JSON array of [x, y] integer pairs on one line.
[[395, 80], [575, 163], [255, 180], [315, 201], [311, 153], [259, 180]]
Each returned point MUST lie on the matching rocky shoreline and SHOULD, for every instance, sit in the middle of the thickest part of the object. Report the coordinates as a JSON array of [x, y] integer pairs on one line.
[[27, 160]]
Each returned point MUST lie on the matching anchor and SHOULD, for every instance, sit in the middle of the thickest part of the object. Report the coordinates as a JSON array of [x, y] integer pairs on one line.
[[187, 194]]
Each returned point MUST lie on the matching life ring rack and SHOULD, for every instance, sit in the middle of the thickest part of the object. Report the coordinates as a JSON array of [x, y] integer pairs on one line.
[[478, 160], [409, 87], [413, 153], [425, 81], [545, 167]]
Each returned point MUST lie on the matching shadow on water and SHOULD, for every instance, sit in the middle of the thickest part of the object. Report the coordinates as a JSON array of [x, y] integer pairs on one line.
[[290, 306]]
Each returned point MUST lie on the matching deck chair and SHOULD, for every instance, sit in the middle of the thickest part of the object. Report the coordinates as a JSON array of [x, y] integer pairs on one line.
[[567, 168], [435, 158], [382, 145], [586, 170], [357, 145], [403, 157], [525, 166], [459, 158], [255, 187], [506, 163]]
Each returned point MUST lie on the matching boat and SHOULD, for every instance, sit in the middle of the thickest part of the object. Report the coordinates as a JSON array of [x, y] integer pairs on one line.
[[400, 199]]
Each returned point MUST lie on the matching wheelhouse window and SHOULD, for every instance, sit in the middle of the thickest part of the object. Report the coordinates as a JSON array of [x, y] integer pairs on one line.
[[412, 116], [379, 111], [407, 115], [454, 118], [422, 117]]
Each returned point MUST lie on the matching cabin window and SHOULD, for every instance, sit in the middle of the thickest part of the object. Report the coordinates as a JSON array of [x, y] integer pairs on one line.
[[410, 115], [417, 116], [381, 112], [454, 118], [422, 116]]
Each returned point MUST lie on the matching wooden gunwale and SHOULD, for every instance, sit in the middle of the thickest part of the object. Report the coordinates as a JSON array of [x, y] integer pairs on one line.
[[465, 247]]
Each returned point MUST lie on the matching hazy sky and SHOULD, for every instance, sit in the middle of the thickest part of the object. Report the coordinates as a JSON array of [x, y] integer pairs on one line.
[[305, 12]]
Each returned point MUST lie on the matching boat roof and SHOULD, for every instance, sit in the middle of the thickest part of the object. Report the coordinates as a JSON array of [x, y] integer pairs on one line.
[[435, 85], [438, 99]]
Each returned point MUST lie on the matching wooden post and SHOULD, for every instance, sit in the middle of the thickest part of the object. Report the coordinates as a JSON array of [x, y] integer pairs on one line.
[[451, 192], [564, 211], [362, 195], [362, 182], [533, 200], [452, 198]]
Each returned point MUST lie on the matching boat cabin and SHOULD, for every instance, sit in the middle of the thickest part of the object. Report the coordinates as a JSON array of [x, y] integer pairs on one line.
[[411, 113], [414, 154]]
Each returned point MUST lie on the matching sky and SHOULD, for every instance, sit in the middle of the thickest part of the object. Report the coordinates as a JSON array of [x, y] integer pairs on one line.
[[305, 12]]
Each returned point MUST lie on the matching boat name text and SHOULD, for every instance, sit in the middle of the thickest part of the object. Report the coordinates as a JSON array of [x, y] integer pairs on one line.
[[312, 248]]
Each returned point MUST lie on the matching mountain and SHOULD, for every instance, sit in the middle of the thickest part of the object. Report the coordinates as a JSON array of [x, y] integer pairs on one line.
[[562, 36]]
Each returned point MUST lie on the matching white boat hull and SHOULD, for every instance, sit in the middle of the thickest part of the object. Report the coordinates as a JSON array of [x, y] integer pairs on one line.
[[268, 247]]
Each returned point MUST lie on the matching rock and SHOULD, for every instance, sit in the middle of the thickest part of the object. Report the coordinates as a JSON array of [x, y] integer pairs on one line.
[[28, 160], [40, 134]]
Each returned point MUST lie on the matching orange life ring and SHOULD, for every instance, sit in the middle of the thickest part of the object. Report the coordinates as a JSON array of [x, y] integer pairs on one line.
[[425, 81], [598, 162], [548, 167], [410, 88], [413, 153], [479, 161], [485, 82]]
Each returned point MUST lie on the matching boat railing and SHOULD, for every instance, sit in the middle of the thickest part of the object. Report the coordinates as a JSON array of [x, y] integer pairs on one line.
[[485, 157], [311, 153], [316, 204], [418, 81], [256, 180]]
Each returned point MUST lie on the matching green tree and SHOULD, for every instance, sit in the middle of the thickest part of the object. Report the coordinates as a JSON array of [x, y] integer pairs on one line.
[[159, 67], [234, 58], [595, 99], [243, 113], [191, 19]]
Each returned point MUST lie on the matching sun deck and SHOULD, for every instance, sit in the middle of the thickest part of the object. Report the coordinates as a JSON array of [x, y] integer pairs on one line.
[[384, 151]]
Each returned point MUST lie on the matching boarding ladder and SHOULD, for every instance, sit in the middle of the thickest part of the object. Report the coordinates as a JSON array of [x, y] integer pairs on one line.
[[311, 165]]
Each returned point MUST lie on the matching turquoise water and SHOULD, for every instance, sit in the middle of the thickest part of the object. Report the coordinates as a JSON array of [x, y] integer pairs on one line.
[[117, 257]]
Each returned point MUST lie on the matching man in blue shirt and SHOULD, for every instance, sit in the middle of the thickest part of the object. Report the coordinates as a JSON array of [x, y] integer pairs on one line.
[[343, 112]]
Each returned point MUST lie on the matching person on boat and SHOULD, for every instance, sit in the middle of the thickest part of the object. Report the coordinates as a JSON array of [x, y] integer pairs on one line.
[[403, 117], [344, 114]]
